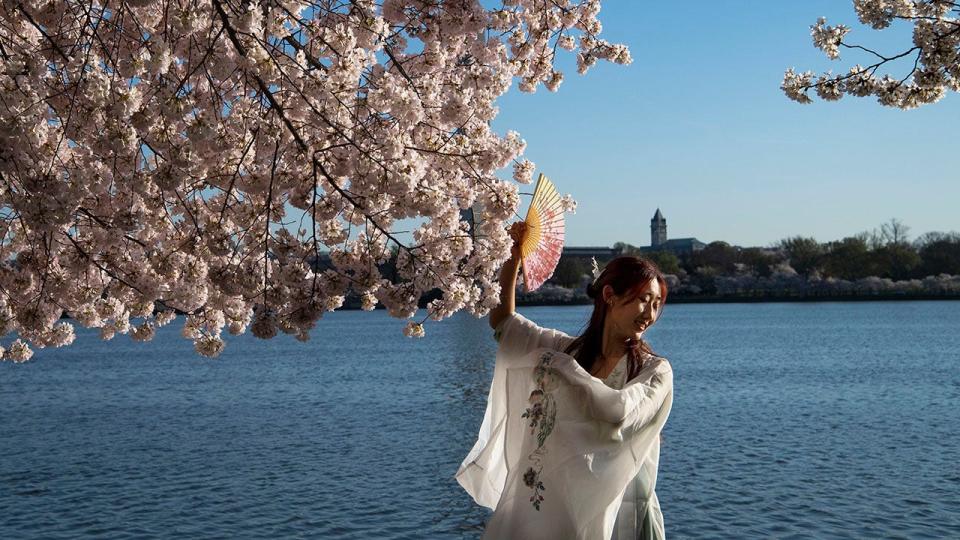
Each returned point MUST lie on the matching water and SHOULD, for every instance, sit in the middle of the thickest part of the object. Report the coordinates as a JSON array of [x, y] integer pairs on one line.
[[832, 420]]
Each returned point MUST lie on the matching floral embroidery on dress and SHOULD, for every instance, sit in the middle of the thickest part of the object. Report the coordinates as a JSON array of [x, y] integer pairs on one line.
[[542, 413]]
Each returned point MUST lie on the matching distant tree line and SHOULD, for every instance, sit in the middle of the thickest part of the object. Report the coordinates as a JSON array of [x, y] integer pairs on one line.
[[880, 261]]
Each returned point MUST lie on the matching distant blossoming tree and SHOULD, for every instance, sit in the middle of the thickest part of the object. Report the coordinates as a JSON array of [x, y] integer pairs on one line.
[[934, 56], [150, 151]]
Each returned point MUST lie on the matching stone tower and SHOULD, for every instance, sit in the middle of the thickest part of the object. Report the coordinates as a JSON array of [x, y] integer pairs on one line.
[[658, 230]]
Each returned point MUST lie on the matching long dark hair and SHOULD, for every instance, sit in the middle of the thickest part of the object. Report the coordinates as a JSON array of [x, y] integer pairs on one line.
[[626, 274]]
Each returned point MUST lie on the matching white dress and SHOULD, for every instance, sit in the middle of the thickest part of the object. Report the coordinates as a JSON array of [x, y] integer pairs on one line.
[[639, 516], [581, 460]]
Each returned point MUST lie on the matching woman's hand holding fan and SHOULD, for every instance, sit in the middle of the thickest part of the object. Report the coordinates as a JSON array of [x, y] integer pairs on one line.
[[538, 239], [518, 232]]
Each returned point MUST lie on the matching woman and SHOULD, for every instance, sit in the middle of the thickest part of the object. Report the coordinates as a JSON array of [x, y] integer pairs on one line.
[[569, 446]]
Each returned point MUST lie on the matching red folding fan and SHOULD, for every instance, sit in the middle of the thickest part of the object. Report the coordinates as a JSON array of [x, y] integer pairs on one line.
[[541, 249]]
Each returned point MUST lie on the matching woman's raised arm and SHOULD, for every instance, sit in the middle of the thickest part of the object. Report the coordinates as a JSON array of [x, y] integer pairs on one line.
[[508, 277]]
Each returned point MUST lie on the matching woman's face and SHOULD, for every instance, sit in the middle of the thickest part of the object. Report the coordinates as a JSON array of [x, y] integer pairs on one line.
[[630, 317]]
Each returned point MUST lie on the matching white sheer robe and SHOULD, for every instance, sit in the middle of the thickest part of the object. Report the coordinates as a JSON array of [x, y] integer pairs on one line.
[[561, 454]]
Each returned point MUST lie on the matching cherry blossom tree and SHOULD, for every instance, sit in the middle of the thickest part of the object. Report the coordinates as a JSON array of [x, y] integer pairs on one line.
[[155, 156], [934, 58]]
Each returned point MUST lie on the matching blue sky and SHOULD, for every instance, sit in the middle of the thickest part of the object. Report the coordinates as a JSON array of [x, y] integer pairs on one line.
[[699, 127]]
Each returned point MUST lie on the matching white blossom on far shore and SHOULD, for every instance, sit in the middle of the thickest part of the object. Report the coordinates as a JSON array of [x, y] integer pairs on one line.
[[785, 279]]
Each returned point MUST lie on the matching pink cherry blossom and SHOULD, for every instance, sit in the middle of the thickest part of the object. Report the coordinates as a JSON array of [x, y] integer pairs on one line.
[[934, 55], [254, 164]]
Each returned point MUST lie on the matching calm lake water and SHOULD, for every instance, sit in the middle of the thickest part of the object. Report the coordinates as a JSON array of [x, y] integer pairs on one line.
[[826, 420]]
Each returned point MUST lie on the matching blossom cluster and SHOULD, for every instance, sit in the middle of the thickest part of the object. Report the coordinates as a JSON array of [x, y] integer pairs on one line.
[[828, 38], [935, 56], [155, 157]]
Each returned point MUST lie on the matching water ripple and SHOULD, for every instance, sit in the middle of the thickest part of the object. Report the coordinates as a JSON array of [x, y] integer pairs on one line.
[[789, 421]]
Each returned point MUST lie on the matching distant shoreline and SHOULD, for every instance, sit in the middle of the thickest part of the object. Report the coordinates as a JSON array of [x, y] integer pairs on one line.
[[714, 299], [353, 304]]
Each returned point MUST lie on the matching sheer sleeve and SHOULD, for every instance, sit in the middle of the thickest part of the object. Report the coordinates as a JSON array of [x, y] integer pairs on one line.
[[639, 407], [518, 335], [651, 399], [483, 473]]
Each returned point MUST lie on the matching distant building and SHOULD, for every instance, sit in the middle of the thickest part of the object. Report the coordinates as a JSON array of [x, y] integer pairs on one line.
[[678, 246], [658, 230], [659, 241], [597, 252]]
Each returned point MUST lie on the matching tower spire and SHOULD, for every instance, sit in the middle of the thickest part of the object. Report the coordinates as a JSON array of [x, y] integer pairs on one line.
[[658, 229]]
